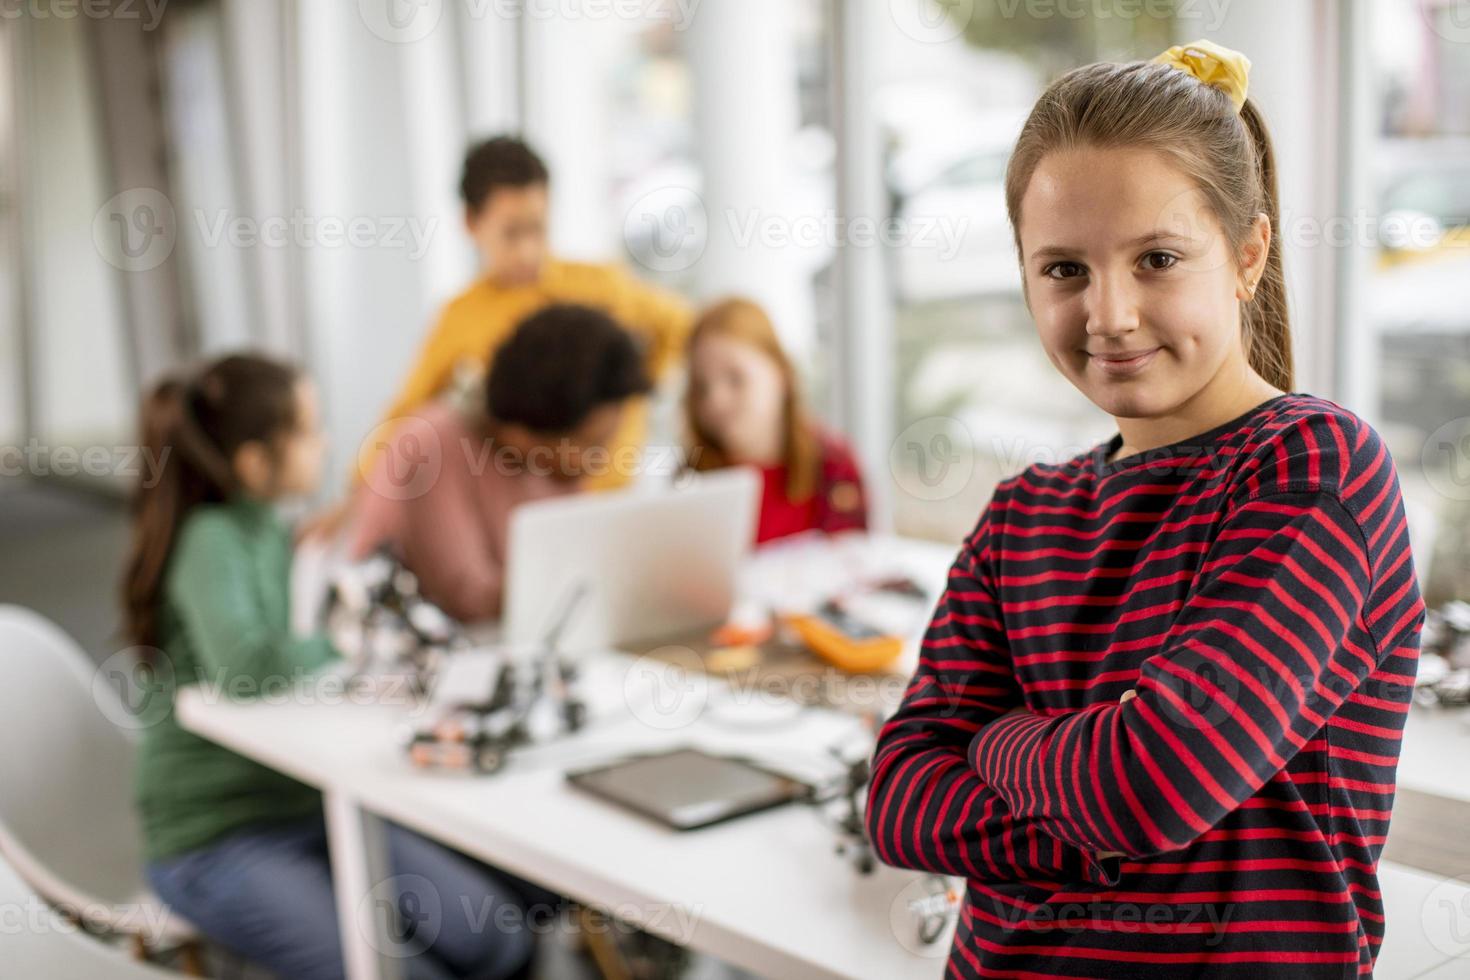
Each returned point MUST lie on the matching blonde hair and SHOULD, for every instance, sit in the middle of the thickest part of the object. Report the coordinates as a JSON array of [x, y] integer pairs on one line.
[[1227, 154], [744, 321]]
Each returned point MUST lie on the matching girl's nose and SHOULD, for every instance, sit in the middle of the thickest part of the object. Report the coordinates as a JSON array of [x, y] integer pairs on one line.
[[1112, 306]]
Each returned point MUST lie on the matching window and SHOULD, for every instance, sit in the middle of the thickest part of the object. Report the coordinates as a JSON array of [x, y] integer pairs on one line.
[[1413, 374]]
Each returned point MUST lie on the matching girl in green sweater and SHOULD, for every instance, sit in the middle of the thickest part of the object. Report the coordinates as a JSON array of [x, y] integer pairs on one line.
[[237, 848]]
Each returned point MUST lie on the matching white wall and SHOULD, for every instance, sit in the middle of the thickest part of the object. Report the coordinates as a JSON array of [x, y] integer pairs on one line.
[[743, 57], [365, 101], [568, 114], [79, 368], [12, 409]]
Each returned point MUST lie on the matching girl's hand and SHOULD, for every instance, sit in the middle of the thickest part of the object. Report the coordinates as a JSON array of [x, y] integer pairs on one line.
[[1128, 695]]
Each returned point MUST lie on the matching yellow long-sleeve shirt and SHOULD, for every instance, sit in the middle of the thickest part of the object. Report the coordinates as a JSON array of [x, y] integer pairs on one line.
[[474, 323]]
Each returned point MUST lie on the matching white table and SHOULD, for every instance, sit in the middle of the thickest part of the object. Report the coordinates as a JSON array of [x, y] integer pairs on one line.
[[765, 892]]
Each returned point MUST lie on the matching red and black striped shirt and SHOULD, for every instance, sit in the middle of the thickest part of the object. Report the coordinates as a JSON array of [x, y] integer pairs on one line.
[[1253, 584]]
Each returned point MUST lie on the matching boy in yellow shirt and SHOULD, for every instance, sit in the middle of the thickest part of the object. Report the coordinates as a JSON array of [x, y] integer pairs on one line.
[[505, 191]]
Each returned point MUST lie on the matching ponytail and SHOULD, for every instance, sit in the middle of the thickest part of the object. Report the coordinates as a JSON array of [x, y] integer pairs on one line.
[[191, 429], [1266, 320]]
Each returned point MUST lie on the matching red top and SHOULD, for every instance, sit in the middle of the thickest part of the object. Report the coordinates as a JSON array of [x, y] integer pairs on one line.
[[837, 505], [1253, 586]]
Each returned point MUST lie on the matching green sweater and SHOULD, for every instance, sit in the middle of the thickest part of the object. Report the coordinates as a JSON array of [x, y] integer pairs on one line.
[[224, 622]]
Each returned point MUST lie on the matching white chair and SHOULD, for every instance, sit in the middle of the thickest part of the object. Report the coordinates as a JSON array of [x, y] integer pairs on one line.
[[40, 943], [67, 823]]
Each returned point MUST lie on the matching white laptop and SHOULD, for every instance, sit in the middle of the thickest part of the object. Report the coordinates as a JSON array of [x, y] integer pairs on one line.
[[648, 562]]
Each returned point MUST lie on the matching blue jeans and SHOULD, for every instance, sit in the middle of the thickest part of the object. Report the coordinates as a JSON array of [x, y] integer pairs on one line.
[[266, 894]]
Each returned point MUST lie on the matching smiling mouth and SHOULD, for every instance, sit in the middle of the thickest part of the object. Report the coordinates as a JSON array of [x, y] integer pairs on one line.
[[1124, 362]]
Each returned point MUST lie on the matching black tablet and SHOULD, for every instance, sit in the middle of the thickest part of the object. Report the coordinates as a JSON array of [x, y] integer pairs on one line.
[[687, 788]]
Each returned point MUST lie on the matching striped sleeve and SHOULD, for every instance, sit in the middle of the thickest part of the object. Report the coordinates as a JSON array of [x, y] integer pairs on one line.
[[1275, 635], [927, 809]]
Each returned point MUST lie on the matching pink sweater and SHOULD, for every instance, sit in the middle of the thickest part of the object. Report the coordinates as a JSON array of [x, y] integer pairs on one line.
[[441, 498]]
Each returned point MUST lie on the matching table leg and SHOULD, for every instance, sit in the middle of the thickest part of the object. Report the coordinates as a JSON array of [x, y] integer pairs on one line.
[[358, 845]]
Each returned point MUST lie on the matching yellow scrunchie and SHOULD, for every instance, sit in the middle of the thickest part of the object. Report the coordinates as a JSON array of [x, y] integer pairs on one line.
[[1218, 67]]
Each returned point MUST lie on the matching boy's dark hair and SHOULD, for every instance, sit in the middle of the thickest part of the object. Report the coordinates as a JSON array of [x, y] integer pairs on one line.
[[559, 364], [501, 161]]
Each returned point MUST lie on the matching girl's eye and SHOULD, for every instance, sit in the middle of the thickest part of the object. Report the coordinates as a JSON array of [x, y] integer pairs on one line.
[[1159, 261], [1062, 270]]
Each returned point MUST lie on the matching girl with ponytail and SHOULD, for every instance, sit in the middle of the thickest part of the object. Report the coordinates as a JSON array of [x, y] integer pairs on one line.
[[1156, 716], [236, 848]]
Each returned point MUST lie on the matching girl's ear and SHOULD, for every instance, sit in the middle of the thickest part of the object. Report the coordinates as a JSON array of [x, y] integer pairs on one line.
[[1253, 257], [254, 467]]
